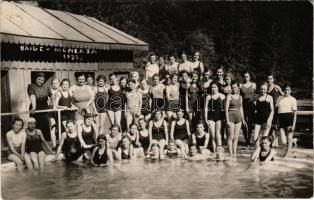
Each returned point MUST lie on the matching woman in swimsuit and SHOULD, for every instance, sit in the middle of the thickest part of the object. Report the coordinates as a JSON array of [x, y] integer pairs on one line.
[[173, 67], [180, 132], [264, 152], [146, 100], [185, 65], [143, 134], [64, 100], [214, 114], [158, 94], [123, 82], [197, 65], [234, 118], [133, 134], [158, 132], [70, 144], [38, 93], [114, 139], [87, 134], [194, 100], [102, 155], [227, 87], [126, 149], [133, 103], [248, 90], [264, 113], [55, 88], [115, 101], [135, 76], [101, 99], [151, 68], [83, 99], [183, 89], [287, 115], [219, 78], [34, 145], [172, 97], [201, 139], [16, 139]]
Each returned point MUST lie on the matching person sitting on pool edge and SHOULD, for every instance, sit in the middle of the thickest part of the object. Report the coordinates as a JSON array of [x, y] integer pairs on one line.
[[264, 152], [172, 151], [101, 155], [194, 154]]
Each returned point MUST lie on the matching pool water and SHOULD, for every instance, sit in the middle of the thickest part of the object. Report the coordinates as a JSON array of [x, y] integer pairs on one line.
[[172, 178]]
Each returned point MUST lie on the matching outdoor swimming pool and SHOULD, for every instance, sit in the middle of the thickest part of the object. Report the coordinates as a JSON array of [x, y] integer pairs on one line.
[[164, 179]]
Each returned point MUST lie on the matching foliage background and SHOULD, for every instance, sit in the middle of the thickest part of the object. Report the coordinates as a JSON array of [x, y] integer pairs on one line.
[[260, 37]]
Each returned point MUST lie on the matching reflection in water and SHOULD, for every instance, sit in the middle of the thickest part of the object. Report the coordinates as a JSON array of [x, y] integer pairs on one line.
[[172, 178]]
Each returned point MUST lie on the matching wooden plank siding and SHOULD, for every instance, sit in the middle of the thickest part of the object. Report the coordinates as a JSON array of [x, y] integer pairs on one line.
[[19, 74]]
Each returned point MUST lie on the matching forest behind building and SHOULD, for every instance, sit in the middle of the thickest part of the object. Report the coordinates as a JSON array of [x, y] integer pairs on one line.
[[261, 37]]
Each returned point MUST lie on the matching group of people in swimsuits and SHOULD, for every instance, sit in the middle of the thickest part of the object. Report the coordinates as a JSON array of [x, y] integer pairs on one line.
[[177, 109]]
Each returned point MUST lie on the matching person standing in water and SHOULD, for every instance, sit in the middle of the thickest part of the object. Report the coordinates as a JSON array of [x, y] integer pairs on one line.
[[287, 115], [55, 88], [234, 118], [248, 91], [101, 155], [264, 152], [133, 103], [101, 99]]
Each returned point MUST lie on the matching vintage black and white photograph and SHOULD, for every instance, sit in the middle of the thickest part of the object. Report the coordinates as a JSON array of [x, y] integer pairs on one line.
[[148, 99]]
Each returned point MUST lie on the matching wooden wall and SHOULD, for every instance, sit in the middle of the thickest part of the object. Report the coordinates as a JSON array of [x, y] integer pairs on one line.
[[20, 76]]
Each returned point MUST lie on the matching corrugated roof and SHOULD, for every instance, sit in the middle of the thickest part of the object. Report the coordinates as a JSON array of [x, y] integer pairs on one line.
[[20, 23]]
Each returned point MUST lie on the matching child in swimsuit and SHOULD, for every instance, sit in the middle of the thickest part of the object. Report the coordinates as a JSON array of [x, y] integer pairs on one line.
[[102, 155], [172, 151], [133, 103], [134, 136], [155, 152], [114, 139], [126, 149], [264, 152]]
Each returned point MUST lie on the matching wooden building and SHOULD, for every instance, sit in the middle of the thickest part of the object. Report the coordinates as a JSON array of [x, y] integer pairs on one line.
[[59, 44]]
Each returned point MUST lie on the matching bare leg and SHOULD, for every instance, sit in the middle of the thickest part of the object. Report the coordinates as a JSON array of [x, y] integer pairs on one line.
[[129, 119], [237, 130], [256, 134], [111, 117], [162, 144], [211, 125], [290, 136], [230, 131], [17, 161], [117, 118], [34, 159], [218, 132], [28, 161], [53, 132], [41, 159], [283, 136]]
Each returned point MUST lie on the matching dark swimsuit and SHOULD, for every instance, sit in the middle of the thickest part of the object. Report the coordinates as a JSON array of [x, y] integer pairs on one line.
[[158, 133], [67, 102], [146, 109], [200, 141], [100, 159], [72, 149], [248, 105], [216, 109], [275, 96], [33, 142], [263, 158], [180, 131], [101, 99], [88, 136], [262, 111], [194, 98], [144, 141], [116, 100], [234, 110]]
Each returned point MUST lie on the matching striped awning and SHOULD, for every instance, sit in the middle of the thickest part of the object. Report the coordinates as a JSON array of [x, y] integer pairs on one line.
[[26, 24]]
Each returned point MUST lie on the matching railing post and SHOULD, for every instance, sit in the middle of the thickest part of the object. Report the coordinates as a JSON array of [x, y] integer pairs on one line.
[[59, 124]]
